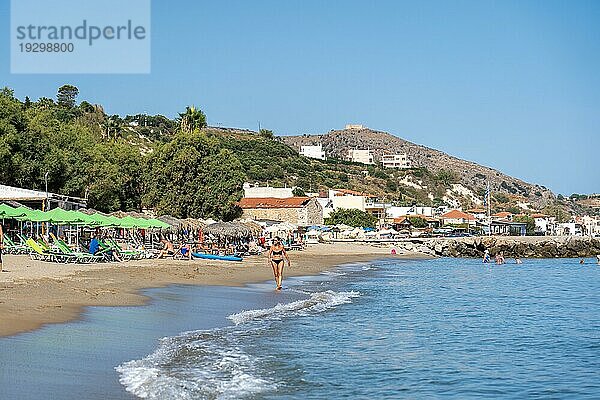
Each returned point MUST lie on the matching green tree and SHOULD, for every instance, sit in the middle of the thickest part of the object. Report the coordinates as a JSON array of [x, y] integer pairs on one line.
[[267, 133], [418, 222], [446, 177], [66, 96], [193, 118], [192, 176], [298, 191], [352, 217], [530, 227]]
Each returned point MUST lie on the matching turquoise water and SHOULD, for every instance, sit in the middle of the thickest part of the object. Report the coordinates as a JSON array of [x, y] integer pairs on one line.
[[444, 328]]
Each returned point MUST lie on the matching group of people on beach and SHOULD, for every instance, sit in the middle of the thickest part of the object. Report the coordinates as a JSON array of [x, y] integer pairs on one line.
[[277, 256]]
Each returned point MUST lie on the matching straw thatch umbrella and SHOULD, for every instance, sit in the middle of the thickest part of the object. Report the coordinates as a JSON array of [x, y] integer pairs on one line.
[[229, 230], [254, 227], [175, 223], [193, 223]]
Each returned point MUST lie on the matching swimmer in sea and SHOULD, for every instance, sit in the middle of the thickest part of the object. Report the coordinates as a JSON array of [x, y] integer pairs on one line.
[[277, 257]]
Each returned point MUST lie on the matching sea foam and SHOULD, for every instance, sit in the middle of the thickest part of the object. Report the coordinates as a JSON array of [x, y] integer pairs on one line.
[[317, 302], [217, 364]]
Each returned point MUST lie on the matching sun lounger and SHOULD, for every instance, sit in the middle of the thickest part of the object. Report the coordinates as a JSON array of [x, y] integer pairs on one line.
[[125, 255], [84, 258], [37, 252], [11, 248]]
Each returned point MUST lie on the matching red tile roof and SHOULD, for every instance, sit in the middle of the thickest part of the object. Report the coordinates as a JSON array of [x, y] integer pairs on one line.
[[272, 202], [502, 214], [455, 214], [539, 216]]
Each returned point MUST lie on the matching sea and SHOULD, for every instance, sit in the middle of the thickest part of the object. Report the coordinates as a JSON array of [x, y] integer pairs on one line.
[[385, 329]]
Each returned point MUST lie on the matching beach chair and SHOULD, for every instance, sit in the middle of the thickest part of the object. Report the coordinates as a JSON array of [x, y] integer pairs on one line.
[[37, 252], [125, 255], [11, 248], [77, 257]]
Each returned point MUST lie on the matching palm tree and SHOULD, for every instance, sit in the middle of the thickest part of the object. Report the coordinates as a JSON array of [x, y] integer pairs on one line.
[[193, 118]]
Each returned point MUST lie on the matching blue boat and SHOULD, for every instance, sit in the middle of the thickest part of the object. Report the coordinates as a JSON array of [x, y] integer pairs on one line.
[[217, 257]]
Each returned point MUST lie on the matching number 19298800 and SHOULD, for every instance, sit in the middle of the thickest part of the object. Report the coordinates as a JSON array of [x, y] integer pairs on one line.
[[47, 47]]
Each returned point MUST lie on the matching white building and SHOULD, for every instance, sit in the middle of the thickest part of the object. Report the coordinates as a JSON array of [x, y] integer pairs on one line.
[[544, 224], [255, 191], [397, 212], [360, 156], [35, 198], [569, 229], [313, 152], [354, 126], [395, 161]]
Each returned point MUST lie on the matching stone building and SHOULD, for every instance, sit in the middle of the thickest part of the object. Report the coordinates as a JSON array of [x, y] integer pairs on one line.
[[301, 211]]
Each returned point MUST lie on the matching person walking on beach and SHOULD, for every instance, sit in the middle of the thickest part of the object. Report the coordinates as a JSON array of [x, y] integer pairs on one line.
[[276, 256]]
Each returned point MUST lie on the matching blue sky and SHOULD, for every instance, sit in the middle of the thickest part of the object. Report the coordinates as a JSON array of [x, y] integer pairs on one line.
[[514, 85]]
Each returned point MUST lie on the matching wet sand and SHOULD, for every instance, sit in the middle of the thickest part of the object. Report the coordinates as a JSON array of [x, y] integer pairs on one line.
[[34, 293]]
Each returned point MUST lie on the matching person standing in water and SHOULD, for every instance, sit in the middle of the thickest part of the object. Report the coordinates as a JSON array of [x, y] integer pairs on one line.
[[277, 257], [486, 256]]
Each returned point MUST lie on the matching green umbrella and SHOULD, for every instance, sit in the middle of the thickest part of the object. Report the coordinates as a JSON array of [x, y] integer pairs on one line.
[[130, 222], [7, 211], [114, 221], [102, 220], [34, 216], [63, 217]]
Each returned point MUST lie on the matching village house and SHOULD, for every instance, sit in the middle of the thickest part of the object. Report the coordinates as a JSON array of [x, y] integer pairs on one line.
[[313, 151], [397, 212], [479, 213], [544, 225], [502, 215], [404, 222], [360, 156], [457, 217], [395, 161], [508, 228], [301, 211], [591, 225]]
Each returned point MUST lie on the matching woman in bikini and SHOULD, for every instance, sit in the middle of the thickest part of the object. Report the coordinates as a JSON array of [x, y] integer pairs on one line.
[[276, 255]]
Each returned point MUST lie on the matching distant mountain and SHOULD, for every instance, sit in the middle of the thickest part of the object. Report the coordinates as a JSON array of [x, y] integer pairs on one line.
[[473, 176]]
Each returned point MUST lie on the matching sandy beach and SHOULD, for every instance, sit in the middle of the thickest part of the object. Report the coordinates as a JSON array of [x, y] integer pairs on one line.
[[34, 293]]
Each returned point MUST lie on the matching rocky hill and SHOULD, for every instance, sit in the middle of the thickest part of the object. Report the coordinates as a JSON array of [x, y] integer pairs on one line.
[[470, 175]]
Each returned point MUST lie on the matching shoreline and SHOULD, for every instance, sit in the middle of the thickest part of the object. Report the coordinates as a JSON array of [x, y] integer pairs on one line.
[[34, 293]]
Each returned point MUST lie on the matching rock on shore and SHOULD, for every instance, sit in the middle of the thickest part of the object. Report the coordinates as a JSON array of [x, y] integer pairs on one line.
[[519, 246]]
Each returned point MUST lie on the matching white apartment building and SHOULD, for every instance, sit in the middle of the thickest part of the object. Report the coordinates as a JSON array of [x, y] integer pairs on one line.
[[395, 161], [313, 151], [361, 156]]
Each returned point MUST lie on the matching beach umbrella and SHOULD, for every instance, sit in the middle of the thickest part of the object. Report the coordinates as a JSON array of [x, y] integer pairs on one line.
[[34, 216], [254, 227], [173, 222], [7, 211], [129, 222], [59, 216], [234, 230]]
